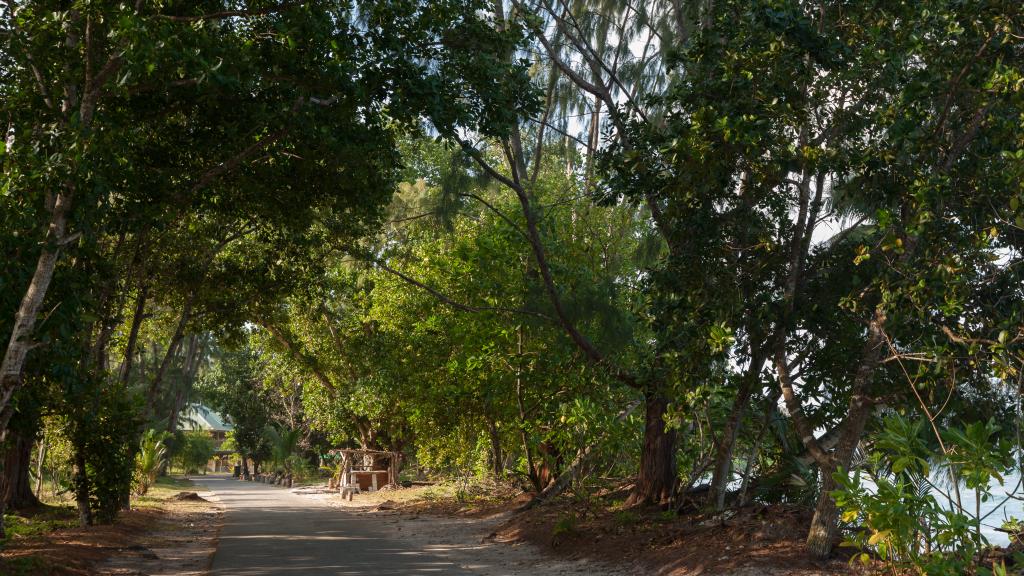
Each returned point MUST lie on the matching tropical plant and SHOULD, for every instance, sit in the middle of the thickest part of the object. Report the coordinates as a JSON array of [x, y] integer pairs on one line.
[[150, 460], [283, 443], [904, 523]]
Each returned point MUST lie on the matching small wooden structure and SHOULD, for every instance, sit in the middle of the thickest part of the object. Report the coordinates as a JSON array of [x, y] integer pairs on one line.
[[366, 470]]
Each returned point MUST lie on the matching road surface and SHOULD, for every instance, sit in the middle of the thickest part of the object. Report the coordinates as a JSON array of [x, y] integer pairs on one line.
[[268, 530]]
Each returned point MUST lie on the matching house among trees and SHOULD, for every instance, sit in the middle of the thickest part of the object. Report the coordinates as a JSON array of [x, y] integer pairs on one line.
[[198, 417]]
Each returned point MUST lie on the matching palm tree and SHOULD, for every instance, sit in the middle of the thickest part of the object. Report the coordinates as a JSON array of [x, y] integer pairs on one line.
[[283, 443], [150, 460]]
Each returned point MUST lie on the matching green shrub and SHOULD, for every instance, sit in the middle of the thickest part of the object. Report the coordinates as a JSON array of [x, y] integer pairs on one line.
[[103, 432], [902, 521], [195, 451]]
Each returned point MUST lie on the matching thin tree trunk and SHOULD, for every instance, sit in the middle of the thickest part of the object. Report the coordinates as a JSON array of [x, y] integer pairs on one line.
[[172, 349], [527, 451], [133, 334], [824, 526], [80, 479], [495, 449], [722, 470], [194, 351], [572, 471], [41, 457], [770, 411], [748, 468], [541, 128], [593, 140]]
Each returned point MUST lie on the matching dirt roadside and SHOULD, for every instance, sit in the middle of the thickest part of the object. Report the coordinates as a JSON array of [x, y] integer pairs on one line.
[[487, 538], [181, 542], [160, 535], [470, 541]]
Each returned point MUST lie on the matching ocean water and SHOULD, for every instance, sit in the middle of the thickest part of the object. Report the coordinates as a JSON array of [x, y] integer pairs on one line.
[[1006, 501]]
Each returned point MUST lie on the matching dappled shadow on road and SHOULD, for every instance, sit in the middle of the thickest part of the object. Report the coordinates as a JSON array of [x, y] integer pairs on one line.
[[268, 531]]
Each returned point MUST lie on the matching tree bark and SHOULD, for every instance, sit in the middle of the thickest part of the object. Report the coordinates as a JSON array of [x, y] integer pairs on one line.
[[15, 483], [823, 533], [824, 526], [656, 482], [80, 479], [722, 470], [133, 334], [25, 318], [172, 349]]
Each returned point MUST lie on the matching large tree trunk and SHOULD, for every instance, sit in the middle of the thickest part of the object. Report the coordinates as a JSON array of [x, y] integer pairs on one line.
[[656, 482], [16, 461]]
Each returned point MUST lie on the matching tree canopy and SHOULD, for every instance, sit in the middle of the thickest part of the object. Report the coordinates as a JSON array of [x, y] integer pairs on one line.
[[688, 245]]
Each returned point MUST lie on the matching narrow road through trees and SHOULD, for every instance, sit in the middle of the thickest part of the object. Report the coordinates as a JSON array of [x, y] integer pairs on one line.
[[269, 530]]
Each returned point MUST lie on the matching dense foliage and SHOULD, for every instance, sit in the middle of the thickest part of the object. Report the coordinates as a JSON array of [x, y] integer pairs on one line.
[[718, 252]]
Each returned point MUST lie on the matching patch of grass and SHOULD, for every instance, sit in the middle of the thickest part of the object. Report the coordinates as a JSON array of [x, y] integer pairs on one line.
[[567, 523], [626, 518], [25, 566], [41, 522], [668, 516], [165, 487]]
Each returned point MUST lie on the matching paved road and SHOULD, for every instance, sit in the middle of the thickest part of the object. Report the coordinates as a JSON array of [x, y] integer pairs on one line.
[[269, 530]]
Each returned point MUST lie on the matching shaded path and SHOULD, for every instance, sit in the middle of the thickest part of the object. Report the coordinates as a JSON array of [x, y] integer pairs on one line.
[[268, 530]]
